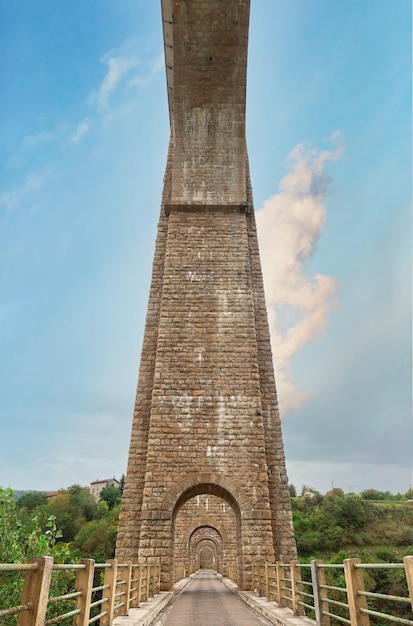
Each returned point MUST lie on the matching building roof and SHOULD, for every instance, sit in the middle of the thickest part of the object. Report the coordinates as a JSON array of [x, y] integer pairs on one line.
[[104, 480]]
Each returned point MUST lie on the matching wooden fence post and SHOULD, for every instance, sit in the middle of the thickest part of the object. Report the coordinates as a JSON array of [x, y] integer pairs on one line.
[[109, 579], [155, 579], [279, 574], [144, 583], [254, 578], [295, 588], [318, 577], [137, 584], [148, 584], [149, 581], [261, 574], [84, 583], [271, 577], [354, 584], [267, 589], [125, 578], [158, 581], [408, 569], [36, 592]]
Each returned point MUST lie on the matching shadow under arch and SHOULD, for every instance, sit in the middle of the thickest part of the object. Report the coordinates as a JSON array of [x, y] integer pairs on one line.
[[200, 537], [210, 550], [209, 484]]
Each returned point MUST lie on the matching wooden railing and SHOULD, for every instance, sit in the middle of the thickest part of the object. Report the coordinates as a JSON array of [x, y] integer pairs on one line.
[[336, 593], [328, 593], [232, 571], [93, 591], [179, 572]]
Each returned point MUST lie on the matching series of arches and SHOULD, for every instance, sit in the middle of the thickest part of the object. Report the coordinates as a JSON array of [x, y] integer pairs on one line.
[[237, 532], [206, 548], [206, 523]]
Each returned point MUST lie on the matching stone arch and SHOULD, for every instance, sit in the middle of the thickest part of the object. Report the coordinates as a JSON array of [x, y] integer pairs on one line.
[[201, 537], [206, 556], [207, 484], [204, 521], [207, 526], [212, 483]]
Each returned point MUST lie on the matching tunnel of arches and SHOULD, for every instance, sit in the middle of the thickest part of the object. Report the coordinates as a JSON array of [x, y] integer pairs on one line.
[[206, 530], [207, 558], [201, 539]]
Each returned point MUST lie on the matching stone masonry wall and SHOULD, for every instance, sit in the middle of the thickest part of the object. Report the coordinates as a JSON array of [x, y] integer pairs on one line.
[[206, 420], [206, 403]]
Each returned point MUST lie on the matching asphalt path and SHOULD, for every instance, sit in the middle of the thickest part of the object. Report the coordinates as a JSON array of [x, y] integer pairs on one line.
[[206, 601]]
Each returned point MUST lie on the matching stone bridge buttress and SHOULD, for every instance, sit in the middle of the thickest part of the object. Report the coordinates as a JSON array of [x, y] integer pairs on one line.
[[206, 444]]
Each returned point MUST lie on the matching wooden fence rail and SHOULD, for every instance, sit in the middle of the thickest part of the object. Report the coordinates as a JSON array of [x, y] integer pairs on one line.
[[335, 593], [331, 594], [94, 591]]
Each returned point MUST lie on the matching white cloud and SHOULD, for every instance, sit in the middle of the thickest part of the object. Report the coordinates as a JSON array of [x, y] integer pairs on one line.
[[119, 77], [289, 225], [81, 130], [118, 67], [9, 200], [37, 139], [122, 75], [157, 66]]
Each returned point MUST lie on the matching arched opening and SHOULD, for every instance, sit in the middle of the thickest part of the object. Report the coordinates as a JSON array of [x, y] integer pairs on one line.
[[206, 536], [206, 520], [207, 558]]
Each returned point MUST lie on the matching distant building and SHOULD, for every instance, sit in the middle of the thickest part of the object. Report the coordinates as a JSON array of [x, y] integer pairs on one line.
[[97, 486], [52, 494], [308, 495]]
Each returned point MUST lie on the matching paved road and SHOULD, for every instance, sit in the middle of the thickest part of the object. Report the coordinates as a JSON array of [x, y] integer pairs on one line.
[[206, 601]]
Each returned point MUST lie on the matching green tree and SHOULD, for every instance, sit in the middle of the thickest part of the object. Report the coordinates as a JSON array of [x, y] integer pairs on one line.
[[372, 494], [73, 507], [334, 493], [409, 494], [97, 539], [111, 495], [84, 503], [19, 542], [346, 511], [31, 500], [64, 511]]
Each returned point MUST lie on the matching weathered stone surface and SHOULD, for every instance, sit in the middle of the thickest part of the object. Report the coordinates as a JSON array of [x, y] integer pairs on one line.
[[206, 426]]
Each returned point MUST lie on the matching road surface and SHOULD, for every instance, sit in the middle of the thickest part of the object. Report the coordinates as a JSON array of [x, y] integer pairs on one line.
[[206, 601]]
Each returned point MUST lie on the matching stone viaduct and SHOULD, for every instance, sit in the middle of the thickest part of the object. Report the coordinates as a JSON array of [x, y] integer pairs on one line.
[[206, 483]]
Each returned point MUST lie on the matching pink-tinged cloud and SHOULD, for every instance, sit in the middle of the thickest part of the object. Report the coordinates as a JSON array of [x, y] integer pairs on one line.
[[289, 226]]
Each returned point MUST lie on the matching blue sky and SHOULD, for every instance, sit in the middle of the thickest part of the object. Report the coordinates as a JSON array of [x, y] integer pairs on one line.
[[84, 127]]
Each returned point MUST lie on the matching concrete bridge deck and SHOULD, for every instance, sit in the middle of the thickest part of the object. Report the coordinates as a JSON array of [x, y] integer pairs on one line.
[[207, 599]]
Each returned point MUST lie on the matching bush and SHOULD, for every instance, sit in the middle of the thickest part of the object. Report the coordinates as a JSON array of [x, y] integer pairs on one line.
[[309, 542], [19, 542], [97, 539]]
